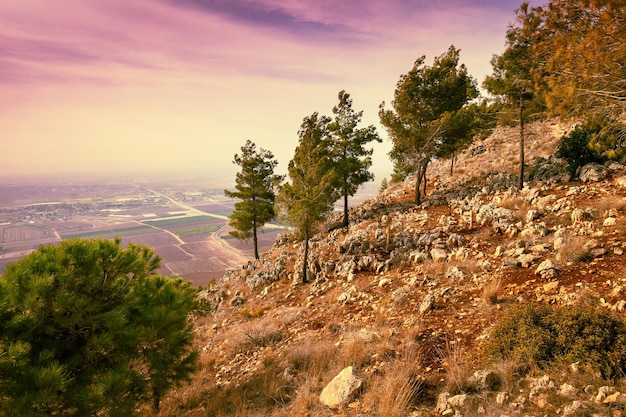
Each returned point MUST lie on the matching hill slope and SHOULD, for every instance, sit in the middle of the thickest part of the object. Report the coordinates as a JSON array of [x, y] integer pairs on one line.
[[407, 294]]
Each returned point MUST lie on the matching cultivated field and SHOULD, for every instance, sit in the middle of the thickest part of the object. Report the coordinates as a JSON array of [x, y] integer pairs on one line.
[[185, 227]]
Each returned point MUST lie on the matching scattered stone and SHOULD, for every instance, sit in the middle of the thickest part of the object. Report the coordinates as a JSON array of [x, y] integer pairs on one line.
[[442, 402], [567, 390], [455, 273], [609, 221], [438, 255], [547, 270], [342, 388], [604, 392], [572, 408], [615, 398], [427, 303], [457, 400]]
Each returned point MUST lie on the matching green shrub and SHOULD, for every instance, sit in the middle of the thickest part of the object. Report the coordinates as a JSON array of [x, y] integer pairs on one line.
[[537, 335], [575, 148]]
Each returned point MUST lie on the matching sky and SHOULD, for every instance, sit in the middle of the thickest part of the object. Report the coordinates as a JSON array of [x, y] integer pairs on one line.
[[169, 87]]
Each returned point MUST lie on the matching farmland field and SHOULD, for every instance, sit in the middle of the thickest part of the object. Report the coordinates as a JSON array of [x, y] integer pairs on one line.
[[184, 227]]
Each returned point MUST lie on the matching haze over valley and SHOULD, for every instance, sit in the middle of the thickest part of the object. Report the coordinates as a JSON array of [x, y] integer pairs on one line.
[[184, 219]]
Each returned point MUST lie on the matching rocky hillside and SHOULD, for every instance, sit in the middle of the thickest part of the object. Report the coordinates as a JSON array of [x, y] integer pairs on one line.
[[400, 303]]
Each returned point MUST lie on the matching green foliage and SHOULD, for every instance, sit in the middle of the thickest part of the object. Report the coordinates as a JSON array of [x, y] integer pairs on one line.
[[425, 119], [575, 148], [350, 160], [309, 196], [200, 230], [88, 328], [539, 335], [384, 184], [581, 55], [254, 185]]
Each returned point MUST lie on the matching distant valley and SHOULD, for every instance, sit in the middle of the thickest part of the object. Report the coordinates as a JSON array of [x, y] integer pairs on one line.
[[185, 223]]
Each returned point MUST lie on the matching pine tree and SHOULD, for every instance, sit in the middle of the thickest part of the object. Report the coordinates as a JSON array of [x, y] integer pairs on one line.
[[88, 328], [424, 101], [351, 161], [255, 185], [310, 194], [512, 80]]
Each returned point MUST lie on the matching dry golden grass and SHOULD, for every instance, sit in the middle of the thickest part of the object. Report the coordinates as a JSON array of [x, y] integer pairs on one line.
[[311, 357], [393, 392], [492, 290], [573, 250], [610, 203], [458, 369]]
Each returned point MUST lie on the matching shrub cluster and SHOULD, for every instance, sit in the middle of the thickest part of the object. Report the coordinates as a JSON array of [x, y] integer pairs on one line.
[[539, 335], [575, 148]]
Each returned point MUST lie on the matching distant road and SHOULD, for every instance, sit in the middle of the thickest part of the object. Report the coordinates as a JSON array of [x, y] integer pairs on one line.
[[183, 205], [232, 256]]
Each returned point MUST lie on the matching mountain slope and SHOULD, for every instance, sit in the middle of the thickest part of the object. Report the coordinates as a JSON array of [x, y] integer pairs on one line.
[[407, 294]]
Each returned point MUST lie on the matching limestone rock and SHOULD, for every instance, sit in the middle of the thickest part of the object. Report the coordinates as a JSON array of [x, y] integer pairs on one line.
[[342, 388], [609, 221], [438, 255], [593, 173], [427, 303], [547, 270], [455, 273]]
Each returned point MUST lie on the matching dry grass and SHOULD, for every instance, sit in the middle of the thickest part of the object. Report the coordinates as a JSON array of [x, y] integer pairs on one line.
[[573, 250], [458, 370], [517, 204], [492, 290], [393, 392], [311, 357], [610, 203]]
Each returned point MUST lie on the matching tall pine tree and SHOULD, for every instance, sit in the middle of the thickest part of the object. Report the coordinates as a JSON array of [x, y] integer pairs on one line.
[[309, 195], [351, 161], [254, 185], [512, 80]]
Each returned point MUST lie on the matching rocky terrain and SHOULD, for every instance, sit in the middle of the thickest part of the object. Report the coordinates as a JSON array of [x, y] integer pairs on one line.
[[397, 306]]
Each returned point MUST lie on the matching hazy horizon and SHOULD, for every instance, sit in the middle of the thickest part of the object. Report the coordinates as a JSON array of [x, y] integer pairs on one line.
[[173, 86]]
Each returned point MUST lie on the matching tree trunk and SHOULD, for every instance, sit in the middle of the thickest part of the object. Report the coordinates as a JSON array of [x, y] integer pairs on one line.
[[452, 163], [346, 220], [521, 142], [156, 400], [306, 258], [418, 184], [425, 179], [256, 240]]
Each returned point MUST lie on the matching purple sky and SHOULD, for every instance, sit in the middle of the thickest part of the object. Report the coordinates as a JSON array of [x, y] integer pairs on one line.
[[104, 86]]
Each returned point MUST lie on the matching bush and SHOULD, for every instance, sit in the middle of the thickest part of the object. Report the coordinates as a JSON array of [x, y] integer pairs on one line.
[[575, 148], [536, 335]]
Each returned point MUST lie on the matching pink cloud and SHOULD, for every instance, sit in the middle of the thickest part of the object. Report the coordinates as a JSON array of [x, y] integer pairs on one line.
[[127, 82]]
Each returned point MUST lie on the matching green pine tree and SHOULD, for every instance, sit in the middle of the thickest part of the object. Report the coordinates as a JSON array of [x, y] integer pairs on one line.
[[351, 161], [425, 101], [82, 325], [254, 185], [309, 196], [512, 81]]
